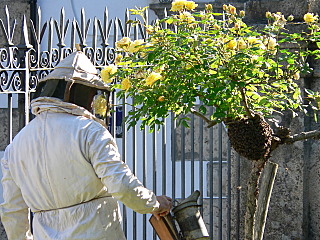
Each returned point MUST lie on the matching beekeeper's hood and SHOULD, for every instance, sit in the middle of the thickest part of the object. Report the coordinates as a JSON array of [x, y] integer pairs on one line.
[[77, 68], [75, 79]]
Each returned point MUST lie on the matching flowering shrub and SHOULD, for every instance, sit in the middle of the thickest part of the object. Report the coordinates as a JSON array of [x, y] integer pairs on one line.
[[209, 59]]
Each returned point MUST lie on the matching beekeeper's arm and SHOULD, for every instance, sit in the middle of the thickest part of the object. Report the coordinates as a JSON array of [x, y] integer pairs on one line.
[[14, 211], [116, 175]]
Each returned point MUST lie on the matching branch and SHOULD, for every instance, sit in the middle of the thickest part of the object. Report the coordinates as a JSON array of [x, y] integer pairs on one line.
[[302, 136], [245, 103], [208, 121]]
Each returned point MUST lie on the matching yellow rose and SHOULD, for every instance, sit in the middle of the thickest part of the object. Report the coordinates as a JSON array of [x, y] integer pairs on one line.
[[149, 29], [276, 16], [242, 44], [125, 84], [177, 5], [232, 10], [296, 76], [268, 15], [186, 16], [216, 27], [237, 26], [152, 78], [291, 18], [107, 72], [100, 105], [232, 44], [135, 46], [161, 98], [255, 42], [124, 43], [271, 43], [118, 58], [242, 13], [209, 7], [190, 5], [309, 18], [252, 40], [225, 7]]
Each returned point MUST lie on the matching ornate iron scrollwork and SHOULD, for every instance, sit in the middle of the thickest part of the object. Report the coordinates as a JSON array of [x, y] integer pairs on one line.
[[54, 40]]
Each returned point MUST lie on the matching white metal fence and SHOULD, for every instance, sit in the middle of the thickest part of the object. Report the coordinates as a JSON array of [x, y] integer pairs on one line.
[[173, 161]]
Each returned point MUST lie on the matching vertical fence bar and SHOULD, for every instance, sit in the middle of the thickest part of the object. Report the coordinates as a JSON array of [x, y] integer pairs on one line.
[[124, 158], [154, 162], [201, 163], [144, 177], [183, 162], [164, 157], [173, 154], [238, 197], [192, 153], [134, 167], [211, 232], [9, 118], [229, 193], [113, 114], [220, 179]]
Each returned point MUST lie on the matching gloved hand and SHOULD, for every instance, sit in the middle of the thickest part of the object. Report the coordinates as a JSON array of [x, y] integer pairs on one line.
[[164, 208]]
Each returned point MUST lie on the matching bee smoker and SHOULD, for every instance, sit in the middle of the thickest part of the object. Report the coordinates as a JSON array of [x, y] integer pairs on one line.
[[189, 219]]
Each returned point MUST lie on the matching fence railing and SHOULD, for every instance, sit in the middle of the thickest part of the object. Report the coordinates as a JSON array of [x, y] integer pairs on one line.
[[174, 161]]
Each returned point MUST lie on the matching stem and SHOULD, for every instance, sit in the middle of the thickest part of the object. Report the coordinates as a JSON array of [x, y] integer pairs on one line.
[[208, 121], [245, 103], [252, 197], [302, 136], [267, 182]]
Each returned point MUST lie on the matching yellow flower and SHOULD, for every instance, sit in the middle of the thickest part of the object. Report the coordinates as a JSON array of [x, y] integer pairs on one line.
[[237, 26], [100, 105], [107, 72], [209, 7], [118, 58], [242, 44], [177, 5], [276, 16], [268, 15], [255, 42], [190, 5], [161, 98], [216, 27], [232, 44], [225, 7], [242, 13], [271, 43], [186, 16], [296, 76], [152, 78], [309, 18], [124, 43], [125, 84], [136, 45], [149, 29], [232, 10], [290, 18]]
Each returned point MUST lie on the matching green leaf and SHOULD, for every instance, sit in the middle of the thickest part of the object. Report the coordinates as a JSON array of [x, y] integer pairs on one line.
[[203, 109], [296, 94]]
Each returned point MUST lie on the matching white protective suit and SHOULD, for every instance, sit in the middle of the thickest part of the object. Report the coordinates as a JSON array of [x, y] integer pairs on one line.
[[65, 166]]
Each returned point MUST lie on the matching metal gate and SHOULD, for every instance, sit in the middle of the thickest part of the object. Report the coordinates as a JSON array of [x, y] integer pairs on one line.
[[173, 161]]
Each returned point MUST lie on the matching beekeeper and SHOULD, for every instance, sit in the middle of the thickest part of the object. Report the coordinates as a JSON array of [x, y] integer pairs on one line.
[[65, 165]]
